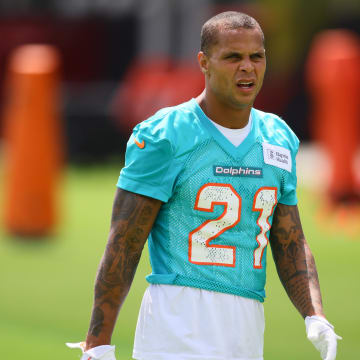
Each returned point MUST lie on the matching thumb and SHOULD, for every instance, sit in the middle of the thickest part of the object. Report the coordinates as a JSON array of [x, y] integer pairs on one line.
[[79, 345]]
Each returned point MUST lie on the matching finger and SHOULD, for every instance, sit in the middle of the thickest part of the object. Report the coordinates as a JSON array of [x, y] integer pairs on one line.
[[79, 345], [331, 346]]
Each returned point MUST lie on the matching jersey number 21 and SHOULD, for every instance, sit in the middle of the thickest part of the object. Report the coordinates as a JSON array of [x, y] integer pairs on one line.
[[201, 251]]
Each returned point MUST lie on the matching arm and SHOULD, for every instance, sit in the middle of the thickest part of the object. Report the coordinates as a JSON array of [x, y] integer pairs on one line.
[[132, 219], [297, 272], [294, 261]]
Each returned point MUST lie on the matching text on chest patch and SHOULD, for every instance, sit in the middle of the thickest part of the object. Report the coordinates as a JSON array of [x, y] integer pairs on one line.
[[237, 171], [277, 156]]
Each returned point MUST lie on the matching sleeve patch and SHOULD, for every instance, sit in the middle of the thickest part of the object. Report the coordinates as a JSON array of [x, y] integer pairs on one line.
[[277, 156]]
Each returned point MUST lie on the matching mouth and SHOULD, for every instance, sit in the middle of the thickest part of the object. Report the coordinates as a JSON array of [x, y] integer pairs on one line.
[[245, 85]]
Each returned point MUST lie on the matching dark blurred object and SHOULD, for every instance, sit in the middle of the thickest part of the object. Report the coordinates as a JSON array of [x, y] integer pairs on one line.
[[333, 76], [95, 53], [34, 141], [92, 135], [73, 8]]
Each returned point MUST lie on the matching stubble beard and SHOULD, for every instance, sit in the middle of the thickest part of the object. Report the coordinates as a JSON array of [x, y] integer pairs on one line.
[[240, 104]]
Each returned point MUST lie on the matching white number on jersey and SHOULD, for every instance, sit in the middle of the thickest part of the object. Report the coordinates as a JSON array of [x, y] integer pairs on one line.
[[264, 201], [201, 250]]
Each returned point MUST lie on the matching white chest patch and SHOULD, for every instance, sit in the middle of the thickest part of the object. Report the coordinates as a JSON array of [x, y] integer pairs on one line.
[[277, 156]]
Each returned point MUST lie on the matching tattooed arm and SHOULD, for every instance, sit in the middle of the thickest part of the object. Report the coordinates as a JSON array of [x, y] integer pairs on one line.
[[294, 261], [132, 219]]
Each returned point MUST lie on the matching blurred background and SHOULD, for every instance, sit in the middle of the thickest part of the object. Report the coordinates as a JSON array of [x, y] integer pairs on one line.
[[75, 78]]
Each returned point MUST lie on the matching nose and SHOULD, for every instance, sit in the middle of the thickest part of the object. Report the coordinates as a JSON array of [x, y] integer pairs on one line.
[[246, 65]]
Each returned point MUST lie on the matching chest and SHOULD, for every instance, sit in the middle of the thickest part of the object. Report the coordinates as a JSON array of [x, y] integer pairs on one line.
[[227, 178]]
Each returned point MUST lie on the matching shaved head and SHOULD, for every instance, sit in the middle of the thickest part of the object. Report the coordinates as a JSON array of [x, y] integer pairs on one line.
[[229, 20]]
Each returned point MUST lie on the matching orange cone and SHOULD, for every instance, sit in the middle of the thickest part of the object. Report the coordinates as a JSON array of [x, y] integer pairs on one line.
[[33, 151], [333, 74]]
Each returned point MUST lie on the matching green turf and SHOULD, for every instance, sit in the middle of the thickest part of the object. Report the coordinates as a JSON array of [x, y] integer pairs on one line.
[[46, 286]]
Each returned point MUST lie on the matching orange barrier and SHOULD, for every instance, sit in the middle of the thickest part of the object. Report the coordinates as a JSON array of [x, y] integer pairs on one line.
[[333, 76], [33, 152]]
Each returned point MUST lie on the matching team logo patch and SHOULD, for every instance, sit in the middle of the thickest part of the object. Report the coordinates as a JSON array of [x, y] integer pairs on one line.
[[237, 171], [139, 144], [277, 156]]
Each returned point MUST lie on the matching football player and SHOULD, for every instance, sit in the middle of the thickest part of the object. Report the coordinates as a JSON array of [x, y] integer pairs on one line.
[[209, 183]]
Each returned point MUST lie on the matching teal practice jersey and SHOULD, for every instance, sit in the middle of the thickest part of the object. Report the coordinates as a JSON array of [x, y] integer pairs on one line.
[[218, 199]]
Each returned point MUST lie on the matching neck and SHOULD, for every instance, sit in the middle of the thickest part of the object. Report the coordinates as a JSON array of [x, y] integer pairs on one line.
[[223, 114]]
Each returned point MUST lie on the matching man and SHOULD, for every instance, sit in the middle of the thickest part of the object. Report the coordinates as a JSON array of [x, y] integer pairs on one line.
[[207, 180]]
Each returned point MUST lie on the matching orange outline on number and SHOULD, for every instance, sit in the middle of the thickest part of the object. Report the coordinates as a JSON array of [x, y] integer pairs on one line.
[[213, 203], [267, 220]]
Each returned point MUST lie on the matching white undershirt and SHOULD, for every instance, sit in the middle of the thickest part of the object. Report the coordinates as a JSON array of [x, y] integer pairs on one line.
[[235, 136]]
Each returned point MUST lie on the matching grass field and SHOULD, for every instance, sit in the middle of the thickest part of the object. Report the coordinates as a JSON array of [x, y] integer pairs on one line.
[[46, 286]]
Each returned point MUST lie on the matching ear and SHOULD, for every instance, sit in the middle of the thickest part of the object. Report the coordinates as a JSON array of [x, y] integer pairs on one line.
[[203, 61]]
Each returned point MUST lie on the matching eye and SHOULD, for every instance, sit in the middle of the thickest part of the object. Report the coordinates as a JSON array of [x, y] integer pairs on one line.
[[257, 56], [232, 56]]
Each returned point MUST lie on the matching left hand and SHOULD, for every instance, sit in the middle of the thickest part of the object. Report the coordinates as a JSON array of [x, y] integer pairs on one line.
[[102, 352], [321, 333]]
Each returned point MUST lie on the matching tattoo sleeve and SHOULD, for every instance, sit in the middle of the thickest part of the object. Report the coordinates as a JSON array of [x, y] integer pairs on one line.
[[132, 219], [294, 261]]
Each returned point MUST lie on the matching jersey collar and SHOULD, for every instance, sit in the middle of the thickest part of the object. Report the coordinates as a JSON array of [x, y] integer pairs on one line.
[[237, 152]]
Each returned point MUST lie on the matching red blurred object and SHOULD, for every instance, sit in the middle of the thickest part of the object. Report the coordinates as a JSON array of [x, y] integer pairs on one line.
[[152, 85], [333, 76]]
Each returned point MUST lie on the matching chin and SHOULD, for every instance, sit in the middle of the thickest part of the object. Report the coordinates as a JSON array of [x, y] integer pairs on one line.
[[243, 104]]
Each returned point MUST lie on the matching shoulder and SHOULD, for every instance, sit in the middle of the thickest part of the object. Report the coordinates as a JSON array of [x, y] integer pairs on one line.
[[275, 130], [179, 126]]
